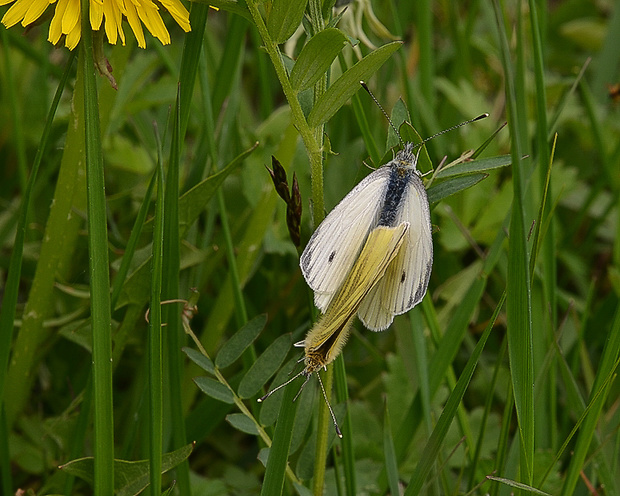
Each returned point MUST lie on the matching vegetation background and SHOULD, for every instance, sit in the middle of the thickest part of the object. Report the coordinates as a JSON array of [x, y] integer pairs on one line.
[[463, 395]]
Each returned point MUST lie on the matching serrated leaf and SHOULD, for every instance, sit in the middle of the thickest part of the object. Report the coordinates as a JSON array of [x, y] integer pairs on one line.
[[130, 478], [264, 367], [346, 85], [242, 423], [316, 57], [440, 191], [199, 359], [284, 18], [236, 345], [215, 389], [193, 202]]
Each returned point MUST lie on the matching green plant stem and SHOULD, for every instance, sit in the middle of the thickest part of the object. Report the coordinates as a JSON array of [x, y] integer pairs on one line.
[[307, 134], [99, 269], [155, 340], [322, 436]]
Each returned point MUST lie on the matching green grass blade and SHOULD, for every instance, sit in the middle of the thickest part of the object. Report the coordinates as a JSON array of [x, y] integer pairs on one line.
[[278, 454], [155, 339], [518, 304], [606, 367], [431, 450]]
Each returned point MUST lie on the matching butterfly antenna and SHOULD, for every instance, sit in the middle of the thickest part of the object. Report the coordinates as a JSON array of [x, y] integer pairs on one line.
[[329, 406], [365, 86], [263, 398], [480, 117]]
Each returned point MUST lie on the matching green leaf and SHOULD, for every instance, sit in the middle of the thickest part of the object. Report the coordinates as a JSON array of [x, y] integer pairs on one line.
[[316, 57], [482, 165], [264, 367], [284, 18], [236, 345], [199, 359], [346, 85], [440, 191], [242, 423], [215, 389], [193, 202], [431, 450], [129, 477]]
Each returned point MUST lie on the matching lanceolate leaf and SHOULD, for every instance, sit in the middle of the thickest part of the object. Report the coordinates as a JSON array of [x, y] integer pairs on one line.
[[199, 359], [215, 389], [346, 85], [440, 191], [265, 366], [284, 18], [243, 423], [236, 345], [316, 57]]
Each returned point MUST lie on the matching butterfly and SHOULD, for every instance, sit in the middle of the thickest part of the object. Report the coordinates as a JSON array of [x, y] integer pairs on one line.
[[389, 196]]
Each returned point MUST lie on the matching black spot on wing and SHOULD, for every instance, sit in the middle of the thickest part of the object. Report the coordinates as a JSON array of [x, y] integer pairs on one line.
[[403, 277], [331, 257]]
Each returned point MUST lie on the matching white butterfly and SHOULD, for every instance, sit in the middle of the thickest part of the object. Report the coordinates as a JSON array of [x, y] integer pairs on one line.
[[389, 196]]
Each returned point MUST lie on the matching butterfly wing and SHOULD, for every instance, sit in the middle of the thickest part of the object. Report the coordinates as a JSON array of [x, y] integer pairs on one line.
[[404, 284], [337, 242]]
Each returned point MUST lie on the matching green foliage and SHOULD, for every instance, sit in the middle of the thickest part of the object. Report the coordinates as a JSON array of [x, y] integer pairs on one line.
[[463, 395]]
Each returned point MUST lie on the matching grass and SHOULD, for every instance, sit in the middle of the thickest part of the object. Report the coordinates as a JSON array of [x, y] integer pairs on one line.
[[503, 380]]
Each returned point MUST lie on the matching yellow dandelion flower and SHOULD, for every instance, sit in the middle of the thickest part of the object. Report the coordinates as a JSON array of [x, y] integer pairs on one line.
[[109, 13]]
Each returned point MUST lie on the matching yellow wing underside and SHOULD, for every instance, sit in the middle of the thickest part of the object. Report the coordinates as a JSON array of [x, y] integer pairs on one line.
[[327, 337]]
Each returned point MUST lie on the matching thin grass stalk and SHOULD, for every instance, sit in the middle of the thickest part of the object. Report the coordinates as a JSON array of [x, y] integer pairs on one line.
[[548, 253], [132, 244], [503, 443], [432, 448], [424, 14], [598, 395], [18, 131], [99, 267], [518, 303], [241, 314], [485, 416], [171, 314], [76, 445], [348, 452], [192, 50], [6, 483], [155, 338], [324, 421]]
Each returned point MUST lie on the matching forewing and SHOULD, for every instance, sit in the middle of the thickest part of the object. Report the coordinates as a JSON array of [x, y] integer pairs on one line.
[[404, 284], [337, 242]]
